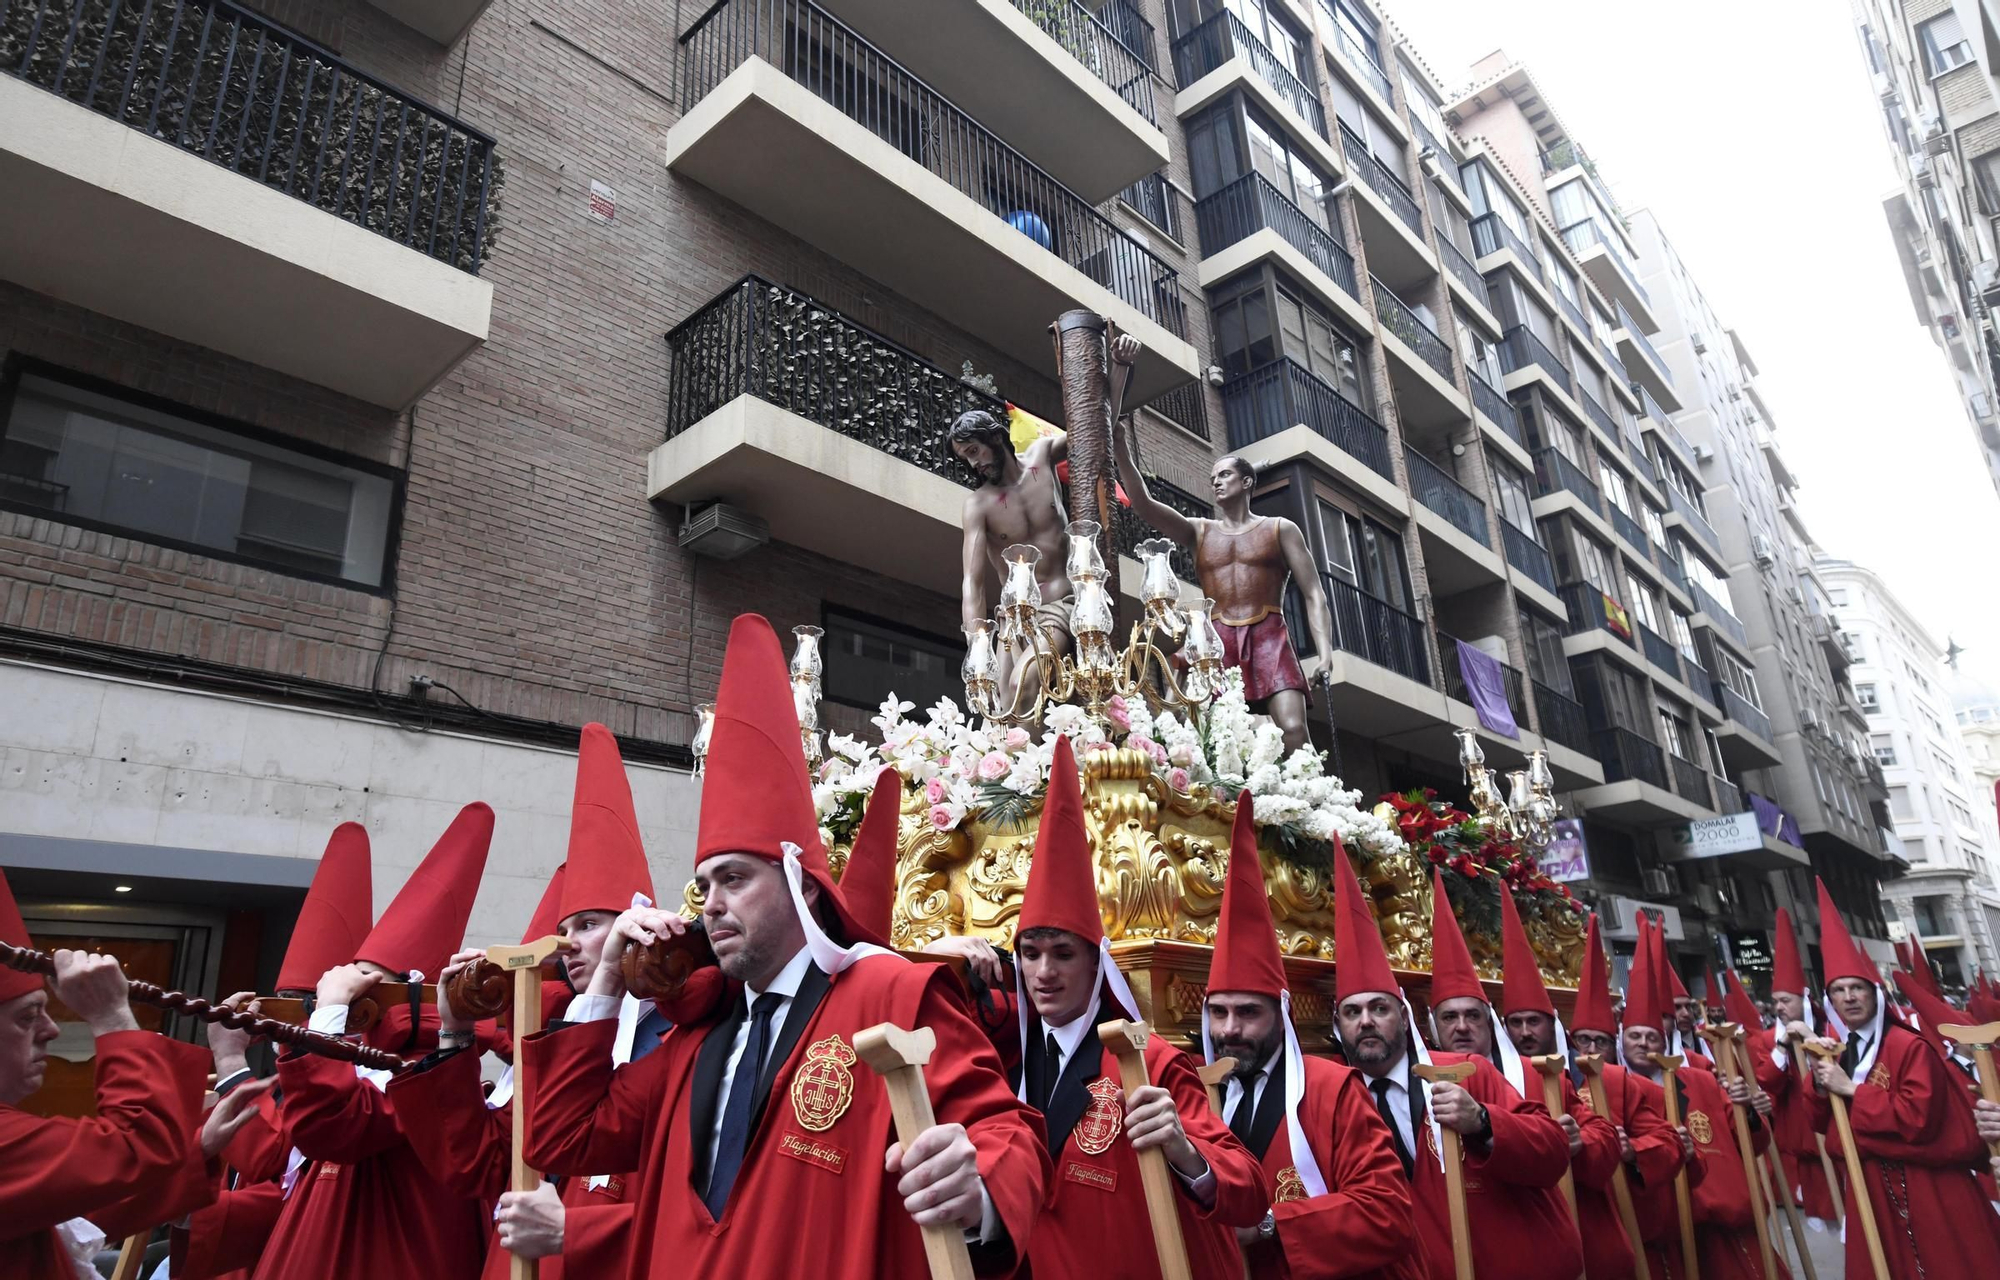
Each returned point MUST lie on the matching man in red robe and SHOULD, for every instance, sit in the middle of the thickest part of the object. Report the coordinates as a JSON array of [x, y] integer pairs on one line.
[[1793, 1120], [465, 1136], [1651, 1150], [1067, 987], [1514, 1153], [761, 1146], [1340, 1206], [1913, 1125]]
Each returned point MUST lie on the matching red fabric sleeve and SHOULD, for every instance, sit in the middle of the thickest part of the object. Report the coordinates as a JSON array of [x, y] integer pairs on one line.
[[1364, 1222], [1594, 1164], [333, 1114], [1528, 1147], [149, 1092], [461, 1142], [1919, 1115], [258, 1150], [227, 1236], [1241, 1198], [1656, 1148], [584, 1117], [594, 1239]]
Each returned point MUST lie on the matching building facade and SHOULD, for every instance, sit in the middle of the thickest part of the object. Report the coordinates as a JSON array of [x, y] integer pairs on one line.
[[1933, 63], [1976, 706], [346, 471], [1949, 898]]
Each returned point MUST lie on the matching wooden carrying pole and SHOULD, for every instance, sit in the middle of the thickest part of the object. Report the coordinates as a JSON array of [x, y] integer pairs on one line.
[[1592, 1067], [1215, 1079], [1127, 1040], [898, 1056], [1862, 1208], [1819, 1140], [525, 963], [1722, 1039], [1981, 1041], [1690, 1256], [1777, 1179], [1454, 1170], [130, 1255], [1551, 1065]]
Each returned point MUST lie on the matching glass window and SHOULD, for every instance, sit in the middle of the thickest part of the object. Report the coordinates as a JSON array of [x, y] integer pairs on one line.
[[1986, 179], [1675, 734], [1738, 677], [1481, 353], [1884, 747], [1546, 662], [92, 457], [1562, 436], [868, 659], [1612, 481], [1213, 159], [1335, 539], [1312, 339], [1683, 638], [1272, 154], [1381, 565], [1510, 489], [1244, 339], [1655, 528], [1944, 43], [1424, 111], [1865, 695], [1644, 610], [1592, 564], [1358, 25]]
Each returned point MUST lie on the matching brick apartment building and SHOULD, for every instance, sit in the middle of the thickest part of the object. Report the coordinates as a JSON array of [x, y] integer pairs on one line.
[[392, 387]]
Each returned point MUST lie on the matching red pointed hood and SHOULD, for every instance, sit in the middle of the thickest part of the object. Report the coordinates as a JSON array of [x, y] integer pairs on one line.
[[1453, 974], [756, 795], [1736, 1002], [425, 923], [1522, 989], [13, 983], [1711, 990], [1361, 961], [868, 882], [338, 912], [1787, 973], [1643, 989], [1593, 987], [1839, 957], [1670, 972], [548, 912], [1062, 879], [1932, 1011], [1984, 1006], [1246, 941], [607, 860]]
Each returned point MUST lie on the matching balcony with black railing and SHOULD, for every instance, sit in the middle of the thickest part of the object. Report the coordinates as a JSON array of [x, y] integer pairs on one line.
[[1682, 506], [1490, 235], [1528, 555], [925, 184], [1521, 349], [1186, 406], [1627, 756], [1356, 59], [1154, 199], [1465, 272], [1282, 394], [1647, 365], [197, 169], [1499, 410], [1224, 37], [1438, 491], [1591, 610], [1718, 615], [1410, 329], [1252, 204], [1128, 530], [1642, 462], [1368, 627], [1604, 262], [1691, 782], [1555, 473], [1562, 719], [1132, 30], [1671, 570], [1631, 531], [1743, 711], [1728, 796], [1596, 412], [1377, 177], [1659, 650], [1454, 681]]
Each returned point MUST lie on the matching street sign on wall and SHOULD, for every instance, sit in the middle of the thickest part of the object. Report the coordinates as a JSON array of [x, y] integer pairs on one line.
[[1714, 837]]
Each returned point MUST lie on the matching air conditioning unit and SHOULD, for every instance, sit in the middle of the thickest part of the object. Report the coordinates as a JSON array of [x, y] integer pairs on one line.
[[1938, 141], [1702, 453], [1760, 546], [1660, 880], [1735, 393], [1986, 275], [1699, 343], [722, 532]]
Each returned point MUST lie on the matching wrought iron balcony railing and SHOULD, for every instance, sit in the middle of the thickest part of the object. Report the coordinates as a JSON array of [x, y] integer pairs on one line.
[[1555, 473], [1528, 555], [1627, 756], [1521, 348], [1436, 488], [1562, 719], [1743, 711], [1366, 626], [1596, 412], [1463, 271], [1498, 408], [1398, 318], [1586, 605], [1132, 30], [1128, 530], [1491, 235], [1691, 781], [1357, 58], [1380, 180], [864, 84], [1659, 650], [1152, 198], [1684, 507], [1185, 405], [1631, 531], [1106, 53], [1223, 37], [1454, 680], [762, 339], [1252, 203], [234, 88], [1728, 796], [1283, 393]]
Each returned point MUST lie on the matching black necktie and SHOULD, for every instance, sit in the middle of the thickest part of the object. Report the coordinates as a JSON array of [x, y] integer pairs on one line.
[[1381, 1088], [1245, 1114], [646, 1035], [735, 1136], [1852, 1053], [1051, 1071]]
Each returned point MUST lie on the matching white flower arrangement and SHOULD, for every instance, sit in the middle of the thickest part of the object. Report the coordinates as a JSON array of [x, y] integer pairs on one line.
[[966, 769]]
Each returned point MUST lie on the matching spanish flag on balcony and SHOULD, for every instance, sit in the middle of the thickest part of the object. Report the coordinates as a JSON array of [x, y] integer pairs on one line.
[[1024, 428]]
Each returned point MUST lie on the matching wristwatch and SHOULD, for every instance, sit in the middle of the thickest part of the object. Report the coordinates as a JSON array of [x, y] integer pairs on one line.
[[1268, 1228]]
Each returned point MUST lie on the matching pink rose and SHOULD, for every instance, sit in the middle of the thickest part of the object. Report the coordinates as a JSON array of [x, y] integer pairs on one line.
[[1140, 742], [1116, 712], [1178, 780], [1182, 754], [1017, 737], [993, 766], [934, 791], [1098, 746], [941, 817]]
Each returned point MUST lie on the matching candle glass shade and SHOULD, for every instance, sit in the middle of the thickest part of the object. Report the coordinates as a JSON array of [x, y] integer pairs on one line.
[[1092, 617], [807, 664], [1020, 592], [704, 729], [1084, 557], [1539, 775], [981, 667], [1469, 752], [1518, 794], [1160, 587], [805, 700]]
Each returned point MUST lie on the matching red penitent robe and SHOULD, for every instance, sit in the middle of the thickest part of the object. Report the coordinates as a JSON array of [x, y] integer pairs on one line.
[[1607, 1254], [108, 1168], [1096, 1207], [363, 1207], [1792, 1126], [225, 1239], [1521, 1229], [1913, 1125], [468, 1147], [1364, 1225], [257, 1153], [812, 1192], [1724, 1222], [1637, 1106]]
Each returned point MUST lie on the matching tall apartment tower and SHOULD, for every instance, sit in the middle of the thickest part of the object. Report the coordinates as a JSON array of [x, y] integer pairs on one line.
[[1949, 899], [1933, 63], [1781, 675], [1976, 705]]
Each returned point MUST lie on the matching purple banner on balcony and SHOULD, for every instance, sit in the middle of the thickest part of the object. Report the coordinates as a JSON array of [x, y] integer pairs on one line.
[[1774, 821], [1486, 685]]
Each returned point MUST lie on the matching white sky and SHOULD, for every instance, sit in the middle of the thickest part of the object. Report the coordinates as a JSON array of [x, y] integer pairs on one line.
[[1751, 130]]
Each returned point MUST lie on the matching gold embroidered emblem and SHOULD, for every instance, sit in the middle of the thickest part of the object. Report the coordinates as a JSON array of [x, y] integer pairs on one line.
[[1698, 1125], [823, 1087], [1879, 1077], [1290, 1185], [1103, 1119], [1588, 1105]]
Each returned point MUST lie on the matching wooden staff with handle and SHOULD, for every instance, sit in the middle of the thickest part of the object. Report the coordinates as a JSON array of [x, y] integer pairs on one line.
[[1777, 1169], [1127, 1040], [1819, 1139], [1721, 1039], [525, 963], [1454, 1169], [1551, 1065], [898, 1056], [1981, 1041], [130, 1255], [1592, 1067], [1215, 1079], [1863, 1209], [1690, 1257]]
